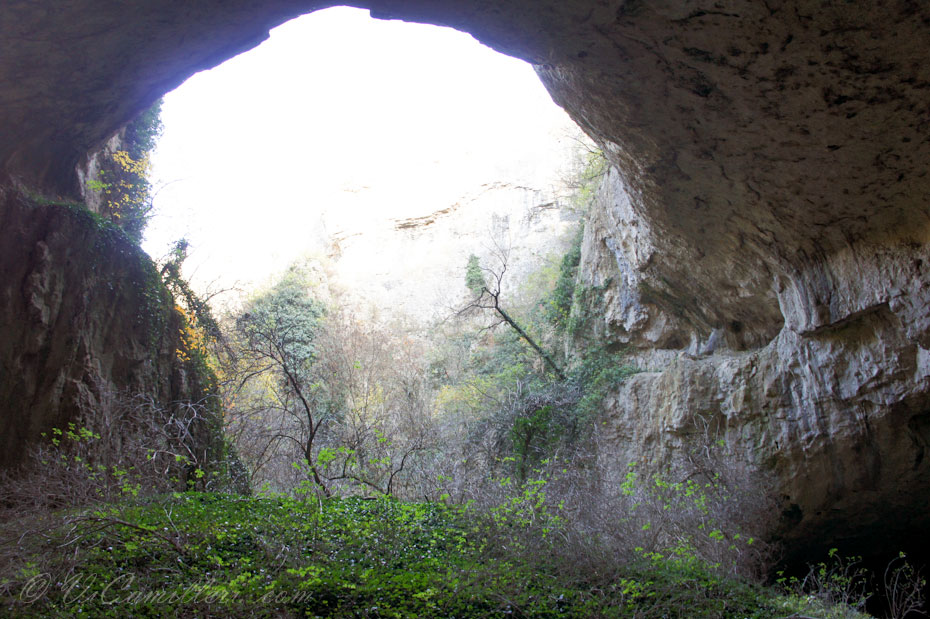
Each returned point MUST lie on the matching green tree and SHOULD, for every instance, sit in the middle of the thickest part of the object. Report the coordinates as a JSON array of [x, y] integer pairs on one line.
[[123, 180], [197, 306], [143, 132], [559, 305], [485, 285], [274, 350], [474, 277]]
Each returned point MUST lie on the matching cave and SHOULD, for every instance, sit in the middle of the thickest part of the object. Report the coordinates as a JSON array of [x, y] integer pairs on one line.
[[767, 213]]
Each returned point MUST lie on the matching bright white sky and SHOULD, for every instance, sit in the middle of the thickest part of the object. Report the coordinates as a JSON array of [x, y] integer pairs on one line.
[[337, 119]]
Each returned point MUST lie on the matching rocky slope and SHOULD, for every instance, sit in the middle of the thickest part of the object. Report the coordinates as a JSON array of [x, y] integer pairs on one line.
[[768, 214]]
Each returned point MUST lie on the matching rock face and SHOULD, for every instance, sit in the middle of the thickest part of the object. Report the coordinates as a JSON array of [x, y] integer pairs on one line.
[[768, 214], [839, 412], [83, 312]]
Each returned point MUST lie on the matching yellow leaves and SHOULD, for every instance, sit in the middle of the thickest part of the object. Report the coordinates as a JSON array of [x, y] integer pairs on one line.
[[467, 398], [139, 167], [367, 401], [126, 194], [193, 337]]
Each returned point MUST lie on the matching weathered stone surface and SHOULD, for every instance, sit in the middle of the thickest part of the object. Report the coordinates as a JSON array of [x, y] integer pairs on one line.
[[83, 312], [757, 140], [842, 422], [769, 211], [839, 413], [375, 261]]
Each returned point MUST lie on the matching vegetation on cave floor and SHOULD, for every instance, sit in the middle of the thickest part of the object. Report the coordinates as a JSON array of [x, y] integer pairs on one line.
[[200, 554]]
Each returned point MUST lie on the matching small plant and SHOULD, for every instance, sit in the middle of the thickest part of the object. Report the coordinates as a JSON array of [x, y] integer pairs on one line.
[[840, 587], [904, 588], [838, 583], [202, 554], [129, 446]]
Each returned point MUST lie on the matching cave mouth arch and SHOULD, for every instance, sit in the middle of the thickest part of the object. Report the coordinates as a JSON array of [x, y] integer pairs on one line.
[[688, 104]]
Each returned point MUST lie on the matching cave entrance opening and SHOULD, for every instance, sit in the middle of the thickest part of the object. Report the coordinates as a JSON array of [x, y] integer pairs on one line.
[[337, 130]]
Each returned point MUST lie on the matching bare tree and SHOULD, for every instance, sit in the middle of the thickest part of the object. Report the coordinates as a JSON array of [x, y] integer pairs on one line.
[[270, 373], [485, 285], [376, 374], [343, 397]]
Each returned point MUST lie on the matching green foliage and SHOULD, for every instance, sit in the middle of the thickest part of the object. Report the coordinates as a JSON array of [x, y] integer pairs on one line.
[[904, 587], [108, 230], [836, 588], [558, 306], [44, 200], [839, 587], [587, 305], [528, 416], [525, 433], [198, 333], [97, 185], [508, 397], [270, 369], [589, 179], [196, 307], [282, 324], [196, 554], [122, 182], [150, 291], [474, 276], [598, 373], [143, 132]]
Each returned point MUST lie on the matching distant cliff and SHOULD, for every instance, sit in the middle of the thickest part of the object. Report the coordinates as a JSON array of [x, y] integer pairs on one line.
[[416, 265]]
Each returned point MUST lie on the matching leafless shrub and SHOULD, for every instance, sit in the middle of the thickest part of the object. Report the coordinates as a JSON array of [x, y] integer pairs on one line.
[[839, 587], [904, 587], [362, 425], [128, 445], [711, 505], [587, 519], [840, 584]]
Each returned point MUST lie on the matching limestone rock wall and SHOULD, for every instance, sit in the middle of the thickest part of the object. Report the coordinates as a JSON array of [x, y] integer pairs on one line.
[[837, 405], [83, 312], [414, 266], [767, 147]]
